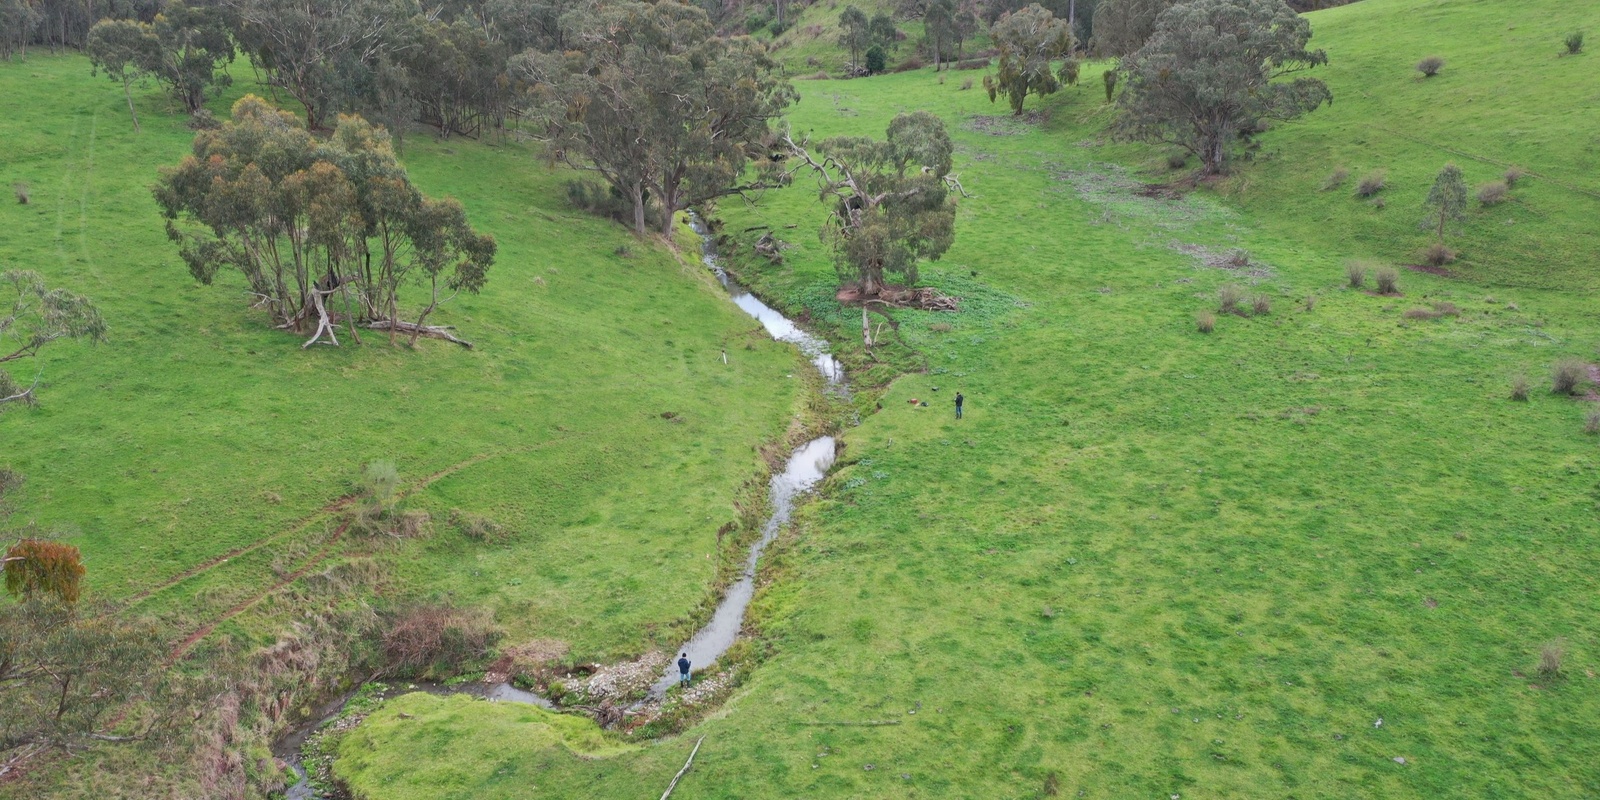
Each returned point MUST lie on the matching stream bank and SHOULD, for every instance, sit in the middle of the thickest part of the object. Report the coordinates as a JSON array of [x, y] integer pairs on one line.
[[805, 467]]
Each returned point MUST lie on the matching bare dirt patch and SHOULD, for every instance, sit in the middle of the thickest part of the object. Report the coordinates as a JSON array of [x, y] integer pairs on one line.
[[1007, 124]]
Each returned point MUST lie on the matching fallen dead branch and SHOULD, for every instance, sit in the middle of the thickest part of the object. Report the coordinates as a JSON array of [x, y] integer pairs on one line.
[[430, 331], [679, 776]]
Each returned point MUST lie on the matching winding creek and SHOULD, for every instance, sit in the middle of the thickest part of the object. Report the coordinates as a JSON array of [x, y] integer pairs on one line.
[[806, 467]]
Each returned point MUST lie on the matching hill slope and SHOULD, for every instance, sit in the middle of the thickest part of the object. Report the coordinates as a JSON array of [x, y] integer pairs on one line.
[[1315, 553]]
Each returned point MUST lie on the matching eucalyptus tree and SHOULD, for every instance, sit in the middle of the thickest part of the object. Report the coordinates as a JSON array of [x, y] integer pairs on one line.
[[35, 316], [121, 48], [891, 202], [1029, 41], [315, 50], [1212, 70], [659, 105], [1121, 27], [304, 220]]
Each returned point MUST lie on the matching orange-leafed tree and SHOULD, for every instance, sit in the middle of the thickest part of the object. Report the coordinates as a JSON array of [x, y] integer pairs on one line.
[[39, 567]]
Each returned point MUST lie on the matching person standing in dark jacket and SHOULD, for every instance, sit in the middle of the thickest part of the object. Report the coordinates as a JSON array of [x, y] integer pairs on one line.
[[959, 398], [683, 669]]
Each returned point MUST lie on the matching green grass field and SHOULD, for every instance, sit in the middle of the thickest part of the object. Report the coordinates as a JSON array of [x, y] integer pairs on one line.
[[1315, 553], [196, 431]]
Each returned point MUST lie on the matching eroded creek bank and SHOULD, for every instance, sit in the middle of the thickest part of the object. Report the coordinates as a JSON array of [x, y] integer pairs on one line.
[[806, 466]]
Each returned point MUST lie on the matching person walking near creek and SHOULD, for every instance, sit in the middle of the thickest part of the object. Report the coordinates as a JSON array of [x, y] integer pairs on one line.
[[683, 669], [959, 398]]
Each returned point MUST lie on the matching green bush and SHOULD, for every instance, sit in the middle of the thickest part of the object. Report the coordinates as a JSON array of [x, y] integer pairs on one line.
[[1430, 66], [1205, 321], [876, 61], [1574, 43]]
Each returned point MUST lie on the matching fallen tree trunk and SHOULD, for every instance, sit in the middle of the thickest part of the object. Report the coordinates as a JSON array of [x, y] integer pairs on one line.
[[430, 331]]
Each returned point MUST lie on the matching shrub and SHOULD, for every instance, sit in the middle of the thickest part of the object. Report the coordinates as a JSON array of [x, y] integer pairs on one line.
[[908, 65], [1356, 273], [1110, 77], [1550, 659], [1574, 43], [1371, 183], [1261, 304], [1591, 423], [1205, 322], [433, 641], [1568, 375], [1514, 174], [876, 60], [204, 120], [1228, 299], [966, 84], [1420, 313], [1388, 279], [1378, 203], [813, 61], [778, 27], [1445, 308], [1492, 193], [1311, 301], [476, 527], [1519, 388], [1430, 66], [1438, 254], [1335, 179], [23, 191], [1238, 258], [1176, 159], [941, 327]]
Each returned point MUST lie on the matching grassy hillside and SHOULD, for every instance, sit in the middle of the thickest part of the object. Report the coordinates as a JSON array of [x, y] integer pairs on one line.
[[1315, 553], [196, 433], [1508, 95]]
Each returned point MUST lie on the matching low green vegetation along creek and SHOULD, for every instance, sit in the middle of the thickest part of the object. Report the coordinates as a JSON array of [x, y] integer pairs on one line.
[[1226, 515]]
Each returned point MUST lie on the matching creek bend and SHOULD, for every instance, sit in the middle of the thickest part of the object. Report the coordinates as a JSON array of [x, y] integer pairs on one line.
[[807, 465]]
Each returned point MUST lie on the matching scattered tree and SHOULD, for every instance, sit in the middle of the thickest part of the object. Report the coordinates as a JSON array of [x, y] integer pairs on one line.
[[189, 44], [938, 25], [1209, 71], [891, 200], [1447, 201], [1028, 41], [854, 32], [121, 48], [305, 220], [38, 316], [659, 106], [882, 32], [312, 50]]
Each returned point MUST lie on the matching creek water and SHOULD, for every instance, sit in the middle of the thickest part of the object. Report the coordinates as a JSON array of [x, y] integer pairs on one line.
[[806, 467]]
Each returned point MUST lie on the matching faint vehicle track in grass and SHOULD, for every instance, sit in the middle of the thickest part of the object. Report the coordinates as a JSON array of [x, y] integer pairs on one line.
[[321, 553]]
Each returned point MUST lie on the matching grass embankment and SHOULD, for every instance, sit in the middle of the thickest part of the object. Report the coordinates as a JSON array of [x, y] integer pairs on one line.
[[198, 442], [1153, 562]]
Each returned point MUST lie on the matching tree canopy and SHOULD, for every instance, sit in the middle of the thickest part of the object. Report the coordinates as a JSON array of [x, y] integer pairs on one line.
[[304, 220], [37, 316], [891, 200], [657, 104], [1028, 41], [1446, 203], [1211, 70]]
